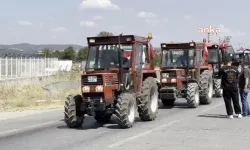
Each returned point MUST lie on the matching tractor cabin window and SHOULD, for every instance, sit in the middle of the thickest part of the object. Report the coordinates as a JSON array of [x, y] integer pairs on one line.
[[173, 58], [102, 57], [213, 55]]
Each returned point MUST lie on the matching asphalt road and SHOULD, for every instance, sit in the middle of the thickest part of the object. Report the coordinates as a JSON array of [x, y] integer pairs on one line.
[[178, 128]]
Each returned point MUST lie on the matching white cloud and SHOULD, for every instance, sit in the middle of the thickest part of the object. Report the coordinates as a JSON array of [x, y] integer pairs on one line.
[[118, 27], [89, 24], [165, 20], [153, 22], [98, 17], [239, 33], [188, 17], [59, 29], [144, 14], [41, 25], [24, 23], [99, 4]]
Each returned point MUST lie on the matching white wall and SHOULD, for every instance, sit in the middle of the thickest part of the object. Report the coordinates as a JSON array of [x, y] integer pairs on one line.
[[65, 65]]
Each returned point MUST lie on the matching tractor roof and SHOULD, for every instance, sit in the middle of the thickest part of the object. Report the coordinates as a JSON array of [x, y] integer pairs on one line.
[[124, 39]]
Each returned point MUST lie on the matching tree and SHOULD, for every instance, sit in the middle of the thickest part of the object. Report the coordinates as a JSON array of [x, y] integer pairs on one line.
[[104, 33], [69, 53], [46, 52], [57, 54], [82, 54], [156, 61]]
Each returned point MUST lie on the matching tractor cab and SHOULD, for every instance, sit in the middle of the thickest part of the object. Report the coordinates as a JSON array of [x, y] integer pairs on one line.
[[181, 67]]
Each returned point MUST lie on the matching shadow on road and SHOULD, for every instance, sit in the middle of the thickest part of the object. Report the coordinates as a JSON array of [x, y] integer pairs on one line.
[[90, 123], [213, 116], [182, 105]]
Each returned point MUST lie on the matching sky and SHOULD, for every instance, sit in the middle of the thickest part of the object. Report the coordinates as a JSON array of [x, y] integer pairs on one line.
[[71, 21]]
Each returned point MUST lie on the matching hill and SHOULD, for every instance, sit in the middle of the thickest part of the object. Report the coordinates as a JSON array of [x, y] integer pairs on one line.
[[31, 48]]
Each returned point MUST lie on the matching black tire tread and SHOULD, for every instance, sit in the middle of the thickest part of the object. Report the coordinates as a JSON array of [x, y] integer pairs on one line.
[[205, 78], [191, 90], [72, 117], [144, 110], [121, 109], [217, 88]]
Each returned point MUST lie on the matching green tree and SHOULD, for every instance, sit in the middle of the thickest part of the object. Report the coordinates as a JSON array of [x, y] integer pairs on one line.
[[156, 61], [82, 54], [104, 33], [57, 54], [69, 53], [46, 52]]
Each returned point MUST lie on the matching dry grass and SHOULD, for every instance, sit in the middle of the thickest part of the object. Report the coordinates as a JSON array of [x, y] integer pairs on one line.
[[29, 93]]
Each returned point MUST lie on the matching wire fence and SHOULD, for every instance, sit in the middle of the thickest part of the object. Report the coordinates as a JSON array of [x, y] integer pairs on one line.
[[19, 67]]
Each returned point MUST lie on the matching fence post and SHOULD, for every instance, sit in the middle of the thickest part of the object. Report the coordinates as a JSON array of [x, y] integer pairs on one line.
[[11, 68], [21, 67], [0, 68], [17, 66], [6, 68], [30, 67]]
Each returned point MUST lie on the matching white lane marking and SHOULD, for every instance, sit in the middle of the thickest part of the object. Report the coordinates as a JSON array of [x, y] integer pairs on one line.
[[119, 143], [210, 108], [13, 131]]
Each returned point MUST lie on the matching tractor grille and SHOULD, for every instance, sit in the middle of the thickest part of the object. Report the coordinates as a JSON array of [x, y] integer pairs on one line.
[[172, 74], [86, 82], [93, 96], [169, 85]]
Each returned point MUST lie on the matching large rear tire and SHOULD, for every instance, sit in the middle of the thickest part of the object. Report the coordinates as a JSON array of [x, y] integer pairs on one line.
[[217, 88], [206, 83], [73, 117], [193, 99], [125, 110], [148, 103]]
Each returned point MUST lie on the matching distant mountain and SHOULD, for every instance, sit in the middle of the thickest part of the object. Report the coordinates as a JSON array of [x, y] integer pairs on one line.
[[26, 48], [31, 48]]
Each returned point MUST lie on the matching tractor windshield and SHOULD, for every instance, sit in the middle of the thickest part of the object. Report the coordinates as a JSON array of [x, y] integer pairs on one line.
[[101, 57], [213, 55], [177, 58]]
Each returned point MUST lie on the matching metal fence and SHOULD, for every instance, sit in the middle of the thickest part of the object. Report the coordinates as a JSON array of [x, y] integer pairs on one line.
[[19, 67]]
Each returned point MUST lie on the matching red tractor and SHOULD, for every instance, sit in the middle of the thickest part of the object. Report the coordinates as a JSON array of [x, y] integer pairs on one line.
[[216, 58], [118, 80], [185, 73]]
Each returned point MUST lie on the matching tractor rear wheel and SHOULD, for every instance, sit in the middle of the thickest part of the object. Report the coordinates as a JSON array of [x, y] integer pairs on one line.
[[125, 110], [206, 84], [102, 116], [193, 99], [148, 103], [217, 88], [73, 116]]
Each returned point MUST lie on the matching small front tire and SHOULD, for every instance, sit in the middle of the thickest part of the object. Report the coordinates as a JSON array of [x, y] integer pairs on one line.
[[73, 117]]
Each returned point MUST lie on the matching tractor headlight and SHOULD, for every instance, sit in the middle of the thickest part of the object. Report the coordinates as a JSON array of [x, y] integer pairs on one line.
[[164, 80], [99, 88], [173, 80], [85, 89]]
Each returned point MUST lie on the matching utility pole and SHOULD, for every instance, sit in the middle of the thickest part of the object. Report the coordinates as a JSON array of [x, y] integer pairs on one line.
[[228, 39]]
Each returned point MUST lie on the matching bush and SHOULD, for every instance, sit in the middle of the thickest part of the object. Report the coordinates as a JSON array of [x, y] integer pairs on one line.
[[16, 95]]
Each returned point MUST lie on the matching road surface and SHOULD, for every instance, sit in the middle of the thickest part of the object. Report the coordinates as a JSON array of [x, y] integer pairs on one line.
[[178, 128]]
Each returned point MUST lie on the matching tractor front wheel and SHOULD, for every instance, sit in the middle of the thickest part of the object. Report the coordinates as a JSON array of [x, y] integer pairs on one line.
[[148, 103], [73, 116], [193, 99], [125, 110]]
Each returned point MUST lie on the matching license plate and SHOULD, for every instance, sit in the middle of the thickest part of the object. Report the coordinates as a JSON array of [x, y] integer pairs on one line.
[[92, 78]]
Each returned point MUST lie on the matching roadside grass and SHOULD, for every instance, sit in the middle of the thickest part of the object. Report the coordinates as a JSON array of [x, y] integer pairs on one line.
[[30, 94]]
